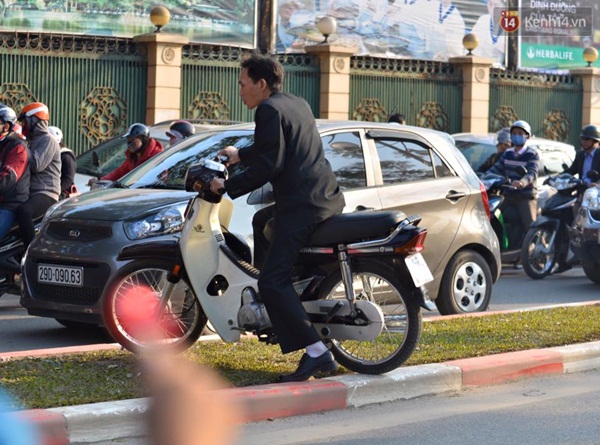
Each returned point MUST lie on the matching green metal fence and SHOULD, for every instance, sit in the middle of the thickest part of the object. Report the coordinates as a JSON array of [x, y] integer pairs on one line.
[[209, 87], [429, 94], [94, 87], [550, 103]]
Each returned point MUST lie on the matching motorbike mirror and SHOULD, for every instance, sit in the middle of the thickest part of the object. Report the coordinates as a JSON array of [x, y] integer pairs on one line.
[[593, 175], [263, 195], [564, 166]]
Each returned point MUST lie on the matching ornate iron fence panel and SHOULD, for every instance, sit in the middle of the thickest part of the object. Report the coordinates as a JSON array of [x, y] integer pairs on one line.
[[94, 87], [209, 86], [550, 103], [429, 94]]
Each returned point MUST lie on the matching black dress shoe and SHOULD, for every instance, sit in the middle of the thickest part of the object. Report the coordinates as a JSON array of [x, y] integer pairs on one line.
[[309, 366]]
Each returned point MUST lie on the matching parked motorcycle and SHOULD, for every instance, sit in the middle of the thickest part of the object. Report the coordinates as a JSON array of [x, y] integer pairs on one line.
[[360, 278], [585, 231], [506, 223], [546, 243]]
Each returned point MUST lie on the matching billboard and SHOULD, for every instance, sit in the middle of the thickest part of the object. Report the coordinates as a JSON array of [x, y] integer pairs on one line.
[[417, 29], [229, 22], [554, 33]]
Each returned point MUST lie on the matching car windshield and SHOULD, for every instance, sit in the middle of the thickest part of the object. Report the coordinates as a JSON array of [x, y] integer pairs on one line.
[[106, 157], [167, 170], [475, 152]]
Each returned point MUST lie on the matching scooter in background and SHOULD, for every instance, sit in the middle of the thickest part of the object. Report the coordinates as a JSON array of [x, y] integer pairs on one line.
[[546, 243]]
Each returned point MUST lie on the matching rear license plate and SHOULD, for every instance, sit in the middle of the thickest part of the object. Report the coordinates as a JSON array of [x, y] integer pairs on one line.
[[419, 270], [63, 275]]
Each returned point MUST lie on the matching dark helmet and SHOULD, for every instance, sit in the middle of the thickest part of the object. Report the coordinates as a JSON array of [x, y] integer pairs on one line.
[[137, 130], [183, 127], [590, 132], [8, 115]]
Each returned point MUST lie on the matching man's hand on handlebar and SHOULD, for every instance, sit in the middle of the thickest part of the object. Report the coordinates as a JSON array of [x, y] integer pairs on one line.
[[231, 153], [217, 186]]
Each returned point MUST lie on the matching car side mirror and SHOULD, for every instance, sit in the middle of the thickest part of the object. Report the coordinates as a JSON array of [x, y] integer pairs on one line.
[[263, 195], [95, 160], [593, 175]]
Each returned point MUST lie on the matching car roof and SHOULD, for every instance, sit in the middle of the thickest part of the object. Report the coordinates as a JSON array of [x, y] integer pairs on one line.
[[491, 139]]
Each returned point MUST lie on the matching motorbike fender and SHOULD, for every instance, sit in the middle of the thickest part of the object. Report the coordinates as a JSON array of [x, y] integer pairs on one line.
[[150, 249], [207, 264], [542, 221]]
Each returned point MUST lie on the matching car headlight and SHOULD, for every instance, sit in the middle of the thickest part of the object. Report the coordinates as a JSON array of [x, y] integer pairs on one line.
[[167, 220], [590, 199]]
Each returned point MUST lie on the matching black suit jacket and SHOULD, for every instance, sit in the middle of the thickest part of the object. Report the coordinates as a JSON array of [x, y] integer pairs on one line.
[[288, 153], [577, 167]]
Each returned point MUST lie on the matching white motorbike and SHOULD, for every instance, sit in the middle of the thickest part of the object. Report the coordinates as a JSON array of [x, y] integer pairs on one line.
[[361, 280]]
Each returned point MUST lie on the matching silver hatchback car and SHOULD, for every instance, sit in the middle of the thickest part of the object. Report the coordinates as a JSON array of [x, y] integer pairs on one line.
[[72, 262]]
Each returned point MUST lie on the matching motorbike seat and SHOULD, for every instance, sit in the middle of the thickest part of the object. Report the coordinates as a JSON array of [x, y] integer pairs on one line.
[[353, 227]]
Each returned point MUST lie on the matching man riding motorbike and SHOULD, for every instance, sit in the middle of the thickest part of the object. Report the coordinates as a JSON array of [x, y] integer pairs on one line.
[[14, 171], [180, 130], [45, 165], [586, 159], [140, 148], [523, 198]]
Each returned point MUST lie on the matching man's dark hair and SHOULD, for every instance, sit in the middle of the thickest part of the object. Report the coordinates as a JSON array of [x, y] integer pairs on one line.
[[398, 118], [263, 67]]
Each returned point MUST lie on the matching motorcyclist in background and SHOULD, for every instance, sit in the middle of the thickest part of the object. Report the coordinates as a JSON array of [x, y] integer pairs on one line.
[[180, 130], [44, 164], [68, 165], [140, 148], [14, 171], [588, 158], [524, 197], [502, 144]]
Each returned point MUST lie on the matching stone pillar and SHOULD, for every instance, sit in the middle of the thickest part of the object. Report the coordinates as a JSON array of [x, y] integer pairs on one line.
[[163, 96], [590, 78], [476, 92], [335, 79]]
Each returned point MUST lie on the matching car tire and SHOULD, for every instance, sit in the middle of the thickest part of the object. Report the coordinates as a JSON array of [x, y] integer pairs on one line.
[[592, 270], [466, 285]]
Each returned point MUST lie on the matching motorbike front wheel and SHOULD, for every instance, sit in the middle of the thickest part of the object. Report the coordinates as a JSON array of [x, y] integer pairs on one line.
[[137, 291], [402, 315], [538, 254]]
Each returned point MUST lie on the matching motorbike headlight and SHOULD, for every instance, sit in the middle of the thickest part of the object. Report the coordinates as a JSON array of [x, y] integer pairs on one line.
[[167, 220], [590, 199]]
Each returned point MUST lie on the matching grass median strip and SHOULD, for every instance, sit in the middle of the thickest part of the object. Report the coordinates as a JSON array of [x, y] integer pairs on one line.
[[114, 375]]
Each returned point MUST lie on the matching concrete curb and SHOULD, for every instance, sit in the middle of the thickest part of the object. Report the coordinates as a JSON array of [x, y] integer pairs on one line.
[[113, 420]]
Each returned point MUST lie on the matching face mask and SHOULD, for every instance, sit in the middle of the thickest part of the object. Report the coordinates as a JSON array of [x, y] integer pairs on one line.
[[518, 139]]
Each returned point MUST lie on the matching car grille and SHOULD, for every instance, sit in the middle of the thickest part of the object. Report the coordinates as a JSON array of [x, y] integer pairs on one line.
[[95, 277], [77, 232]]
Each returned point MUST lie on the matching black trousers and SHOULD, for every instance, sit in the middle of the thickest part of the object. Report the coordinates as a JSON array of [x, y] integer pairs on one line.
[[289, 232], [33, 208]]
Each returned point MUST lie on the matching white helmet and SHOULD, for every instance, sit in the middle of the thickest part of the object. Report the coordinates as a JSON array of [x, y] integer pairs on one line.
[[57, 133], [522, 125]]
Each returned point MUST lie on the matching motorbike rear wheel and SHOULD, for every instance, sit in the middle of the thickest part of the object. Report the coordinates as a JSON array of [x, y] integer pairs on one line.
[[402, 315], [138, 288], [538, 256]]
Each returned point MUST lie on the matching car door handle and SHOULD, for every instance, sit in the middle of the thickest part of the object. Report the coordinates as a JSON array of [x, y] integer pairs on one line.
[[453, 195]]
